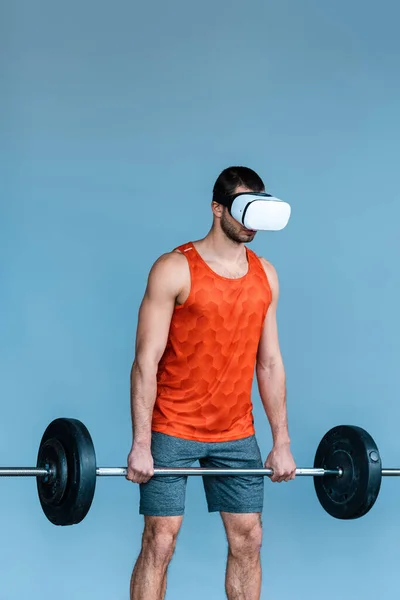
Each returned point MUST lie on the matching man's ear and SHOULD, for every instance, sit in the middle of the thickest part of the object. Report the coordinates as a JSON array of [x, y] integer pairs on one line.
[[217, 209]]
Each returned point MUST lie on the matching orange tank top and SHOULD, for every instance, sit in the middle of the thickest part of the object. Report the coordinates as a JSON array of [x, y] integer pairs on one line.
[[205, 375]]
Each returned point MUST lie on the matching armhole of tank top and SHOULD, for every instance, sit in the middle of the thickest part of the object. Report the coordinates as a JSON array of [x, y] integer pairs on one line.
[[189, 297], [257, 259]]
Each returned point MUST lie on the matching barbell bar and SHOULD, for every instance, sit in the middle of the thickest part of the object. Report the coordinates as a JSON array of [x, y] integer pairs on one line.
[[347, 472], [163, 471], [122, 471]]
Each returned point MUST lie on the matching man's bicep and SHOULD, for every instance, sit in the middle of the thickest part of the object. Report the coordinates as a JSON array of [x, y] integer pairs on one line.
[[156, 311], [269, 350], [152, 330]]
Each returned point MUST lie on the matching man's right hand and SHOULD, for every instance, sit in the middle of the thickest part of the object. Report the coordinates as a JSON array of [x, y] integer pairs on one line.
[[140, 464]]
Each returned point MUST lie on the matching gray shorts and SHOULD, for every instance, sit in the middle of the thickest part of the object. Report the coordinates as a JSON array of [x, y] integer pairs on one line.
[[165, 495]]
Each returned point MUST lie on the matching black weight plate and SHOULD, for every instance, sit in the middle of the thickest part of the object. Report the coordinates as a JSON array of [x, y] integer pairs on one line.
[[52, 456], [353, 494], [67, 449]]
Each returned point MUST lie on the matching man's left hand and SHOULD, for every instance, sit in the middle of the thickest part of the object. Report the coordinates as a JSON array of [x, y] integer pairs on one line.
[[281, 461]]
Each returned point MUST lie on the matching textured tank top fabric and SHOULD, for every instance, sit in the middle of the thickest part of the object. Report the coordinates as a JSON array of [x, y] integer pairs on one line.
[[205, 375]]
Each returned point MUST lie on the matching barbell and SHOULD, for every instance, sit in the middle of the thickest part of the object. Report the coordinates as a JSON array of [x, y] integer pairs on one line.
[[347, 472]]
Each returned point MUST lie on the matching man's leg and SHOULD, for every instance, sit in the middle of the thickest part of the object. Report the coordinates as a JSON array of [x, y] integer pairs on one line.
[[239, 500], [149, 577], [162, 502], [243, 572]]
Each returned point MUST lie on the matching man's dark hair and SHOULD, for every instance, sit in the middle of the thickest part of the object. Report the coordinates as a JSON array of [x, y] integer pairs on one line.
[[233, 177]]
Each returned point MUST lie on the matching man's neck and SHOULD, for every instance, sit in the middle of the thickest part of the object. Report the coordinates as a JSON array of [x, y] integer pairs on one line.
[[216, 244]]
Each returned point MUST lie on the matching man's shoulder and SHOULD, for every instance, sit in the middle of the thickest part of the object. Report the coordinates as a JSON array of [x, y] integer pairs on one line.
[[171, 261], [270, 271], [266, 264]]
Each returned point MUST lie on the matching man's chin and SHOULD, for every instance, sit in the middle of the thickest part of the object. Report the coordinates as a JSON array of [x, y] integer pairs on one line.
[[249, 235]]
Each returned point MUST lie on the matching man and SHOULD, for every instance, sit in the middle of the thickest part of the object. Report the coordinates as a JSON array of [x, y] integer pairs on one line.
[[207, 322]]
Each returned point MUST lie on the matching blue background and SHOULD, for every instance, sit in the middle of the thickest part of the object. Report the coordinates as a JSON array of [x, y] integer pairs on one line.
[[116, 118]]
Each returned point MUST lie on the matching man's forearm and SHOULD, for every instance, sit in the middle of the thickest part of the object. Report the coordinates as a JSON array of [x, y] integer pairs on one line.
[[143, 397], [272, 388]]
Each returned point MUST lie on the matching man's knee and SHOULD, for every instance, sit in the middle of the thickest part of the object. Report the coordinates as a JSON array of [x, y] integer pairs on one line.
[[245, 536], [159, 538]]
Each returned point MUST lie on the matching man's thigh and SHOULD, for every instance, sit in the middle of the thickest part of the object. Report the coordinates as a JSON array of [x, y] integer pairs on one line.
[[234, 494], [242, 526], [164, 496]]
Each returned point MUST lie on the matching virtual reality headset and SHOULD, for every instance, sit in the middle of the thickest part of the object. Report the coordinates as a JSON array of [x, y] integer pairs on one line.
[[257, 211]]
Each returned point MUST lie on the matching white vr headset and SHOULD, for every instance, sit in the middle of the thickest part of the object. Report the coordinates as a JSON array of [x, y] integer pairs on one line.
[[257, 211]]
